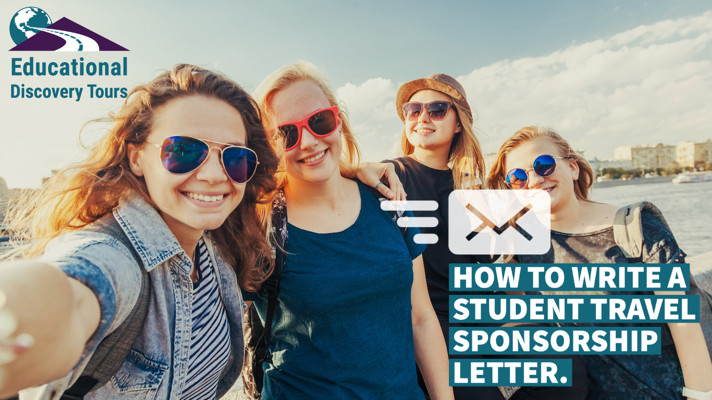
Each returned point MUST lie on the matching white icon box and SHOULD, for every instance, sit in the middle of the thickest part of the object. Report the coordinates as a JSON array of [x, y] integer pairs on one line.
[[495, 222]]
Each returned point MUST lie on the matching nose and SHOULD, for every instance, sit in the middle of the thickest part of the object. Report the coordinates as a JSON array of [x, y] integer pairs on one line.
[[308, 140], [424, 116], [212, 170], [534, 180]]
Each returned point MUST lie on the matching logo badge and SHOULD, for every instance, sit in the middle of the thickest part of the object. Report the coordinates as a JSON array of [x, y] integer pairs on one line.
[[32, 29], [486, 222]]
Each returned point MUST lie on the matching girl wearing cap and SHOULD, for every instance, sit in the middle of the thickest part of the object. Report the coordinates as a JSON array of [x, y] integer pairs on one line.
[[442, 154], [166, 200], [583, 232], [353, 313]]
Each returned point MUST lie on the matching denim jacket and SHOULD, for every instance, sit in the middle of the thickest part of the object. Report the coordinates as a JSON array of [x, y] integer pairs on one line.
[[157, 365]]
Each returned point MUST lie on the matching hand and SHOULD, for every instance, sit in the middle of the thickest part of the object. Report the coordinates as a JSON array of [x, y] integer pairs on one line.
[[10, 347], [372, 173]]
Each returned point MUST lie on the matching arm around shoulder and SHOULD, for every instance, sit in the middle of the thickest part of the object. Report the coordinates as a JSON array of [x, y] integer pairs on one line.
[[371, 174]]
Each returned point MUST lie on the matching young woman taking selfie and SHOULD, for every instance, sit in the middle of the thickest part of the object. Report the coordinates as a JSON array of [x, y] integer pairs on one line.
[[170, 189]]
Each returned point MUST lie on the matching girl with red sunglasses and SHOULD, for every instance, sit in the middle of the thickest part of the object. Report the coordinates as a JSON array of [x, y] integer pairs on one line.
[[584, 231], [147, 239], [352, 313]]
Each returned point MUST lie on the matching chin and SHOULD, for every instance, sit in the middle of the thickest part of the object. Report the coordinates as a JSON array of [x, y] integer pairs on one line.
[[209, 224], [316, 177]]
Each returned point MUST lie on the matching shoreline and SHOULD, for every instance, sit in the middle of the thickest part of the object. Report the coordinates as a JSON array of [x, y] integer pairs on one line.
[[636, 181]]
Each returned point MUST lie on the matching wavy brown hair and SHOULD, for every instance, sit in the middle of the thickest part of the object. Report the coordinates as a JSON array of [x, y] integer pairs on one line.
[[496, 178], [82, 193]]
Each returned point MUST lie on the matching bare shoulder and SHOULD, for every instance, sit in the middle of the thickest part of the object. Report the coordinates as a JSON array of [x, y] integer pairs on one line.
[[600, 215], [350, 185]]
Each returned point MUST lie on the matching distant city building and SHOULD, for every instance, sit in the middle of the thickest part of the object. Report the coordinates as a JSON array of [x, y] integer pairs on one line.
[[647, 156], [45, 180], [489, 161], [598, 165], [694, 154], [4, 196]]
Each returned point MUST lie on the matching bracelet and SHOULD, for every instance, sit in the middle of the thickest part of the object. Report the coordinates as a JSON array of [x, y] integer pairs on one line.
[[694, 394]]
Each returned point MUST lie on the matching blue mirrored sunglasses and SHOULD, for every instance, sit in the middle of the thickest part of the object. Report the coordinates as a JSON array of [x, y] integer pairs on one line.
[[544, 166]]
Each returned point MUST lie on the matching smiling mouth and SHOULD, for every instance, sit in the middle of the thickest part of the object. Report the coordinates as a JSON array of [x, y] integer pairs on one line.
[[549, 189], [313, 158], [200, 197], [423, 130]]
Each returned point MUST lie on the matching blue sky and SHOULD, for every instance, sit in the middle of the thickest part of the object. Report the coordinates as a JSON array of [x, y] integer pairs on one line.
[[603, 73]]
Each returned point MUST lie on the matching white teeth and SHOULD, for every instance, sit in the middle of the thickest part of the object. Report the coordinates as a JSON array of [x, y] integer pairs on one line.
[[424, 130], [316, 157], [204, 198]]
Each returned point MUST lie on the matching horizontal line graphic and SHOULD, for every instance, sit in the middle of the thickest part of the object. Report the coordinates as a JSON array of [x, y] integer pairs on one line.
[[413, 205], [425, 238], [419, 222]]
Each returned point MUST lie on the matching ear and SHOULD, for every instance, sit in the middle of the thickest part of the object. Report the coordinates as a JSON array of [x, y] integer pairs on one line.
[[574, 169], [459, 128], [135, 159]]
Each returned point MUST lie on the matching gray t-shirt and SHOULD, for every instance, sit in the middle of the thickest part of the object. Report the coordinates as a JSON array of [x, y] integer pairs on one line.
[[622, 376]]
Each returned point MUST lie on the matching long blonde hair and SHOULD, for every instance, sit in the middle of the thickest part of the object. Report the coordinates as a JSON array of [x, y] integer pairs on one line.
[[306, 71], [465, 156], [496, 178], [81, 194]]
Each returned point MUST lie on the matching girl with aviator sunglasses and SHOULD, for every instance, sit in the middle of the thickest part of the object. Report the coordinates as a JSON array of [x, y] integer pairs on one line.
[[352, 315], [583, 232], [171, 189]]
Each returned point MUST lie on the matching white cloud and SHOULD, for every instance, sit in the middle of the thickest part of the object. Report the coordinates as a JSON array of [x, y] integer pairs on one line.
[[649, 84], [371, 107]]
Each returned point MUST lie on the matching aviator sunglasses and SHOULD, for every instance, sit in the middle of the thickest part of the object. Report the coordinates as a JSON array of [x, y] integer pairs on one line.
[[437, 110], [543, 166], [320, 123], [183, 154]]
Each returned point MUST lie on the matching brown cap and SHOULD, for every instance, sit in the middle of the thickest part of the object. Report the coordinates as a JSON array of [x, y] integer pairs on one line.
[[439, 82]]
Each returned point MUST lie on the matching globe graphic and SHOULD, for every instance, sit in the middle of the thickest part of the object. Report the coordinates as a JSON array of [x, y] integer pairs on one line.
[[23, 22]]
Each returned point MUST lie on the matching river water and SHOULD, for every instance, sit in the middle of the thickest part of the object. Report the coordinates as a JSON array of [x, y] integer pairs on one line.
[[687, 209]]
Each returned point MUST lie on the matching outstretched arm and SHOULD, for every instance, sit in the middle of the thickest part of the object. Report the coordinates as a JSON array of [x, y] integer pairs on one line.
[[60, 314], [371, 174], [430, 348]]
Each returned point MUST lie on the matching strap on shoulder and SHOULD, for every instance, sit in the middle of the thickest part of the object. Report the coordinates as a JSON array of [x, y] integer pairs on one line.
[[628, 227], [279, 249], [113, 349]]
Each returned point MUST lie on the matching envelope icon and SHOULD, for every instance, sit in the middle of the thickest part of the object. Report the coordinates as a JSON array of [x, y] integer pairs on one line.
[[489, 222]]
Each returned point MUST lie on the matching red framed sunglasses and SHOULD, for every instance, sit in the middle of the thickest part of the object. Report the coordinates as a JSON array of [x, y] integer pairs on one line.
[[320, 123]]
